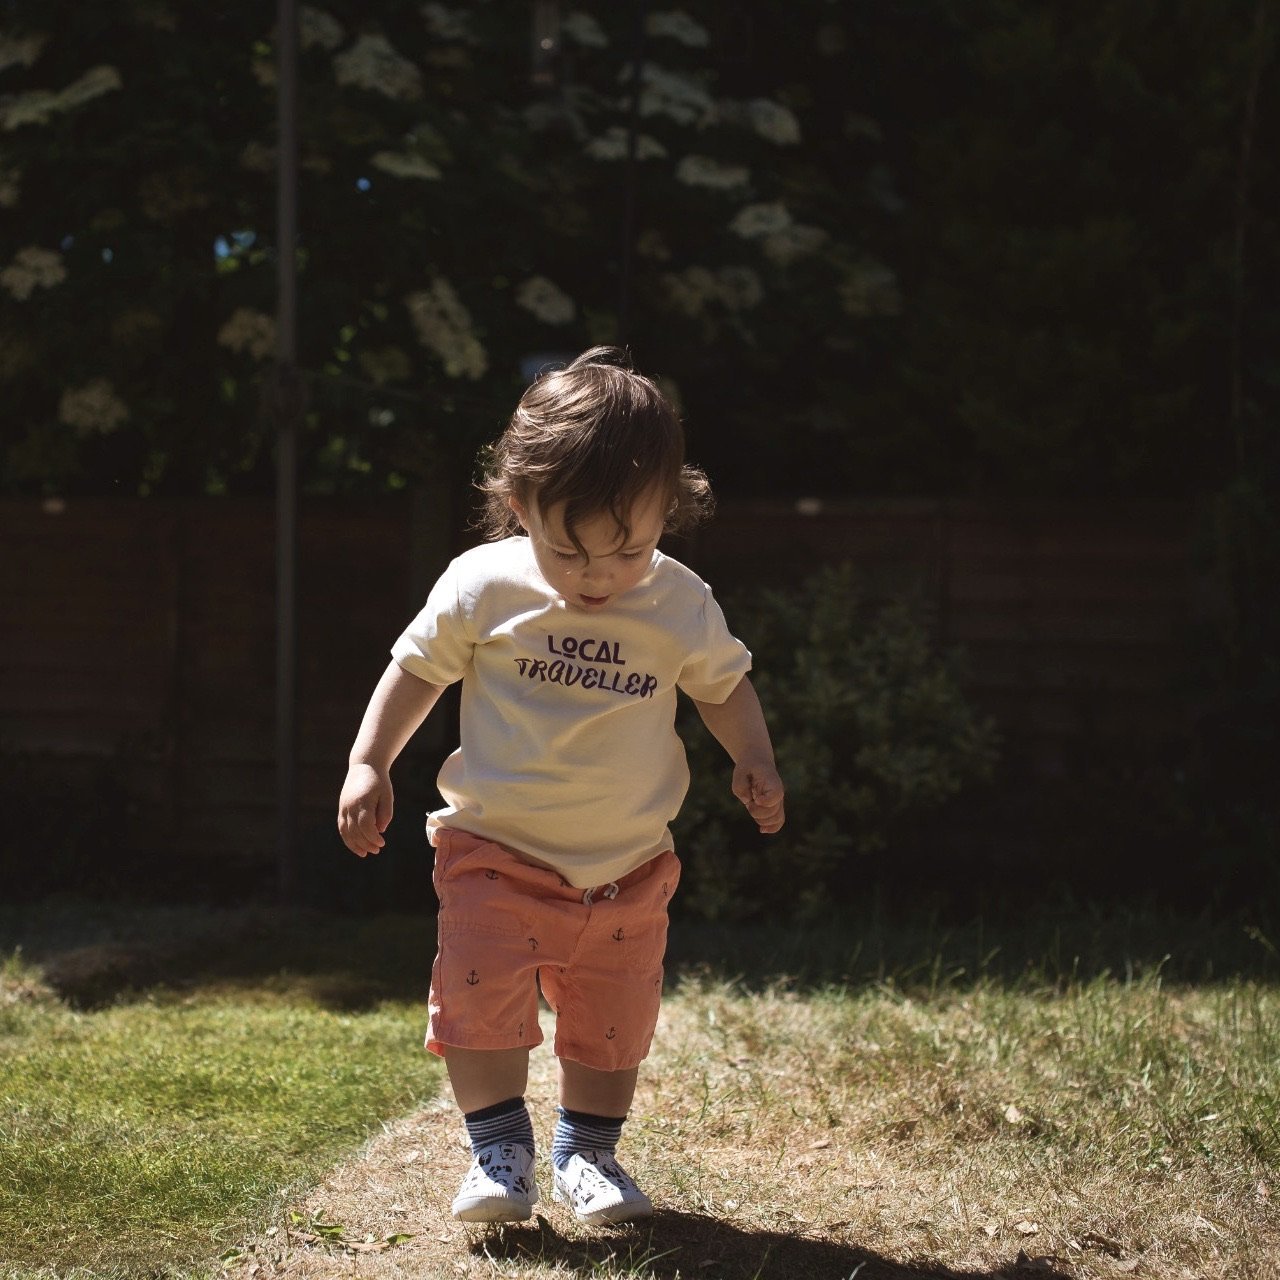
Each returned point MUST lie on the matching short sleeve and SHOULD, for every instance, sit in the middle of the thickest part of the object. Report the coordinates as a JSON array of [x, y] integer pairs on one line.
[[438, 643], [717, 659]]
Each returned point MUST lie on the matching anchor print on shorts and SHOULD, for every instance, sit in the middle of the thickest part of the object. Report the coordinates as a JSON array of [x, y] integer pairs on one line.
[[473, 979]]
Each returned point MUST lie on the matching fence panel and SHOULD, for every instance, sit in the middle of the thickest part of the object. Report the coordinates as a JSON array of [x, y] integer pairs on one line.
[[142, 631]]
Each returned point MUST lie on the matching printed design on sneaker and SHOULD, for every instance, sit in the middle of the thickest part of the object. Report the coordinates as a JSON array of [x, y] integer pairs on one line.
[[499, 1186], [599, 1190]]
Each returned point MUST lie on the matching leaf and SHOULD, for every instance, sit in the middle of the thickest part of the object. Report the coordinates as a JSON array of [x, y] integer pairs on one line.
[[1026, 1228], [1012, 1114]]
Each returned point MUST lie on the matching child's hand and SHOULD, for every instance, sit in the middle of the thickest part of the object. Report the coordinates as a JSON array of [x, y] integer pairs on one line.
[[365, 809], [760, 788]]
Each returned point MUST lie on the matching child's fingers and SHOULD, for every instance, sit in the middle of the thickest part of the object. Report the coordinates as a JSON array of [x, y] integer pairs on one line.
[[762, 796], [361, 829]]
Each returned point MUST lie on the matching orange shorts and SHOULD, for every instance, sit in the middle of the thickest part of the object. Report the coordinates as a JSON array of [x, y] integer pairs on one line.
[[507, 927]]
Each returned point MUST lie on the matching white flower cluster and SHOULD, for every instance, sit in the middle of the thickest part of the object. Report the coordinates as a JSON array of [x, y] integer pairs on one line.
[[317, 27], [612, 145], [20, 51], [583, 29], [795, 241], [38, 106], [443, 326], [704, 171], [32, 268], [755, 221], [448, 24], [546, 300], [783, 239], [671, 93], [678, 26], [10, 188], [372, 63], [404, 164], [250, 332], [870, 289], [93, 409], [770, 120], [773, 122], [696, 288]]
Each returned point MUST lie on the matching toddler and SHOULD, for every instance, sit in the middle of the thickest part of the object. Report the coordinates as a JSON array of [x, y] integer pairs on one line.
[[570, 632]]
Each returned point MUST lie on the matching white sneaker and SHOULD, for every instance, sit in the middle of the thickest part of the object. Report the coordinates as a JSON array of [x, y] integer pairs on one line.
[[599, 1190], [499, 1186]]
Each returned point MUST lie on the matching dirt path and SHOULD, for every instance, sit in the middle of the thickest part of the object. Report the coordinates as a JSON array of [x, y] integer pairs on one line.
[[763, 1163], [403, 1181]]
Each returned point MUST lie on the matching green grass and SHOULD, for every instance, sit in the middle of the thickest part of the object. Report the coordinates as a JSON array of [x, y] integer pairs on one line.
[[172, 1081], [152, 1130]]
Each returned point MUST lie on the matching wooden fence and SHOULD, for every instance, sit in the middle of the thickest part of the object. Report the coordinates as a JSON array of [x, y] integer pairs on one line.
[[141, 632]]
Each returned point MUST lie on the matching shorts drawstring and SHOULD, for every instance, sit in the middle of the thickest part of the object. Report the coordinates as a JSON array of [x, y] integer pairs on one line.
[[609, 891]]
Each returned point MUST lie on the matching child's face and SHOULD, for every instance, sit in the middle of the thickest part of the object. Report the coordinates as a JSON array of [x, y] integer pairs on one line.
[[614, 562]]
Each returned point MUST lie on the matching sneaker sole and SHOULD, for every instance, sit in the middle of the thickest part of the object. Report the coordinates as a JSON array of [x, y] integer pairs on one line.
[[611, 1214], [492, 1209]]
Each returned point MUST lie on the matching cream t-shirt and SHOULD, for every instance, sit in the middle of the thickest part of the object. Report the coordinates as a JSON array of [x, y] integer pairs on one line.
[[569, 752]]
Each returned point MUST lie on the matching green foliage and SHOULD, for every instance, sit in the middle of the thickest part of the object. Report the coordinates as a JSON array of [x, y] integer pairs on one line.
[[871, 732], [457, 215], [859, 268]]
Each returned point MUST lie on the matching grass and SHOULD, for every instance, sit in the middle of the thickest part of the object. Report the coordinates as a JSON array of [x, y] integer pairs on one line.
[[1100, 1097], [151, 1128]]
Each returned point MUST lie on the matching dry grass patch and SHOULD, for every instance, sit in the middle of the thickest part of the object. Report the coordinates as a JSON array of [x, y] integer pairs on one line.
[[1107, 1129]]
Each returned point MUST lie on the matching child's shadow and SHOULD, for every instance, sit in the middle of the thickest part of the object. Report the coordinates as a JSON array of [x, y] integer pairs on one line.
[[671, 1245]]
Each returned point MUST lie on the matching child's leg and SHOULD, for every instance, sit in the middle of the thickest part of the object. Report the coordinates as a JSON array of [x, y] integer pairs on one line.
[[489, 1086], [601, 1093], [593, 1108], [483, 1077]]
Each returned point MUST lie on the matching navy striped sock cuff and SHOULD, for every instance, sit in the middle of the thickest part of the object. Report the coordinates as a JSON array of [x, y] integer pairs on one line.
[[503, 1122], [581, 1131]]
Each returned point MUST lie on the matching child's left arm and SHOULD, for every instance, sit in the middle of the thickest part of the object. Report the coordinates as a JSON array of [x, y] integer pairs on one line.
[[737, 724]]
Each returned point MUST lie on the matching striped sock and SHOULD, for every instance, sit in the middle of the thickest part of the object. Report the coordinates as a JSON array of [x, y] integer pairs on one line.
[[581, 1131], [503, 1122]]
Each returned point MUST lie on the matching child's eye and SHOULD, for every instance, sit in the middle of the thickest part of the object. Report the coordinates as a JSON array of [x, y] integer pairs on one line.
[[564, 555], [633, 555]]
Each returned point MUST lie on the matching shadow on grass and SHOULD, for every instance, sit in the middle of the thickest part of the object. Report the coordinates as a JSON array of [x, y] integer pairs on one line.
[[672, 1245], [94, 954]]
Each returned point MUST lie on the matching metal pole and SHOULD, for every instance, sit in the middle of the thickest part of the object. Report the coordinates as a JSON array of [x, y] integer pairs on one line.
[[287, 408]]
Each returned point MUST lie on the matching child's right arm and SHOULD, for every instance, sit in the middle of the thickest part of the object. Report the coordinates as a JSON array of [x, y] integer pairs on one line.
[[400, 703]]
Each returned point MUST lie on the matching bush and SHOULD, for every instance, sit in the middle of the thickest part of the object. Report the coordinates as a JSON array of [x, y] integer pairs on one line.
[[872, 733]]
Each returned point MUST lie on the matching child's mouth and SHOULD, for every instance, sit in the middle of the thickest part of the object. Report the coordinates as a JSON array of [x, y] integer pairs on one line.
[[594, 602]]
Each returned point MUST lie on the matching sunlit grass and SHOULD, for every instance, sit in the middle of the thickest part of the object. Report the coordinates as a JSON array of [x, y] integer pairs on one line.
[[1104, 1095], [148, 1130]]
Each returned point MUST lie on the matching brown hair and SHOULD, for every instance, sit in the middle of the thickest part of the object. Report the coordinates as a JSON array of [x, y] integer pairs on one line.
[[594, 435]]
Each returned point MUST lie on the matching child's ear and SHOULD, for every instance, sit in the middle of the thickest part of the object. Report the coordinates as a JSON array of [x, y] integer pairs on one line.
[[520, 510]]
